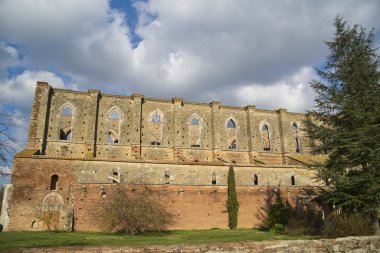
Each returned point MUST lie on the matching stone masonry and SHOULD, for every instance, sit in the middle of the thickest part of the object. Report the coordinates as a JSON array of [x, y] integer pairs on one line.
[[83, 146]]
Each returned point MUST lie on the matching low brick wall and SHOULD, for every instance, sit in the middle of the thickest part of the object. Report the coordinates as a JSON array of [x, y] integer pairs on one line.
[[347, 244]]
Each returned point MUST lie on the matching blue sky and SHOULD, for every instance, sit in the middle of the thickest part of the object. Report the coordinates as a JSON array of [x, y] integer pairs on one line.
[[238, 52]]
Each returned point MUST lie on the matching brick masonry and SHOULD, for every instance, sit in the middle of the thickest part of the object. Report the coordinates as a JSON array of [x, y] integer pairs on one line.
[[82, 144]]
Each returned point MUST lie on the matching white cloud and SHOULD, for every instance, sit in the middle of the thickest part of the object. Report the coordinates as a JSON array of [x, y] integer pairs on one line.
[[198, 50], [293, 93], [19, 91], [9, 58]]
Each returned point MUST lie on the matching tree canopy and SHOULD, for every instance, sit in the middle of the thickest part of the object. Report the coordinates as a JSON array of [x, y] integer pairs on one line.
[[347, 120]]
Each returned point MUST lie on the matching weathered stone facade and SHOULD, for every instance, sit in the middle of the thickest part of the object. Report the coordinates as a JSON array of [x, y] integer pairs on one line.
[[84, 145]]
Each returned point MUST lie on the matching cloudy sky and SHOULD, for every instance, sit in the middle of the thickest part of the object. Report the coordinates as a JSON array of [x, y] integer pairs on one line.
[[239, 52]]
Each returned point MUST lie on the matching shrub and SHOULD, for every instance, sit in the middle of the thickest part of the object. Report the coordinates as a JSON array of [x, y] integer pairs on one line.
[[135, 212], [279, 215], [346, 225], [307, 221]]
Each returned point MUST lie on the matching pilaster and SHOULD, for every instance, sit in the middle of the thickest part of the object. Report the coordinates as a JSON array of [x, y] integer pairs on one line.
[[91, 119], [215, 129], [136, 130], [39, 117], [252, 149]]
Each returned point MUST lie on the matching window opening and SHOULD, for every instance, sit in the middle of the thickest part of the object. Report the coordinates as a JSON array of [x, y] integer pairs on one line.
[[255, 180], [115, 177], [167, 178], [231, 124], [156, 118], [156, 130], [265, 137], [66, 111], [298, 145], [53, 182], [294, 128], [114, 115], [195, 122], [233, 145], [293, 180], [195, 132], [213, 178]]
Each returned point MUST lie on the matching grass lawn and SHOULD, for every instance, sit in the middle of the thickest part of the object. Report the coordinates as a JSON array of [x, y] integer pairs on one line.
[[9, 240]]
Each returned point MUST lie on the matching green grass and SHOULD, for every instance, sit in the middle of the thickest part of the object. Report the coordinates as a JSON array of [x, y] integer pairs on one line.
[[11, 240]]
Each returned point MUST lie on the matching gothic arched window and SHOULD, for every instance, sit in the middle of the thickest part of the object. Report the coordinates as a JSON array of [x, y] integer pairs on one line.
[[297, 140], [231, 134], [155, 125], [113, 126], [66, 117], [255, 180], [265, 137], [195, 131]]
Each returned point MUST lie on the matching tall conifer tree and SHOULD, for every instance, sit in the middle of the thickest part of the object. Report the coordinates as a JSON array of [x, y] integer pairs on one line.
[[232, 202], [348, 116]]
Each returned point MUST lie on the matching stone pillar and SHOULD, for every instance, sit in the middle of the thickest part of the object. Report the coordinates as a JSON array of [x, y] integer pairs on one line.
[[177, 128], [251, 124], [91, 119], [4, 212], [215, 129], [282, 125], [136, 129], [39, 117]]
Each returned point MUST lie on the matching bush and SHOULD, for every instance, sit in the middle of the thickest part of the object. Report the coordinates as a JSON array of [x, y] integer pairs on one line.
[[278, 216], [346, 225], [306, 220], [135, 212]]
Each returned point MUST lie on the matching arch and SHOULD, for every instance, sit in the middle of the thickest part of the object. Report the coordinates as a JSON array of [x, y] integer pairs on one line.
[[293, 180], [54, 182], [67, 113], [232, 133], [156, 120], [114, 114], [52, 201], [195, 124], [265, 136], [231, 123], [67, 109], [255, 180]]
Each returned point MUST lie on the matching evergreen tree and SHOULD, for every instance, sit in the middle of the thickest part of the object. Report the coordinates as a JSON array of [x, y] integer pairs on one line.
[[232, 202], [347, 122]]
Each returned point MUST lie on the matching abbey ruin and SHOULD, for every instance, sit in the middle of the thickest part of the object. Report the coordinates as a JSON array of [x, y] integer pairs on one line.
[[83, 146]]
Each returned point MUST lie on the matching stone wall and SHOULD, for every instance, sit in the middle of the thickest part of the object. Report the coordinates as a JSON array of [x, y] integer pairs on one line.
[[370, 244], [82, 144], [174, 138]]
